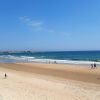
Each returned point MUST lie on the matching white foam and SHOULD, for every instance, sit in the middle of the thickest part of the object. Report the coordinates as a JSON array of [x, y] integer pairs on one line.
[[63, 61], [19, 58], [33, 59]]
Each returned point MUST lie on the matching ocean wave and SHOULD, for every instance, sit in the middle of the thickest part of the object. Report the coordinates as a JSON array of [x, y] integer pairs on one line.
[[20, 58], [37, 60], [63, 61]]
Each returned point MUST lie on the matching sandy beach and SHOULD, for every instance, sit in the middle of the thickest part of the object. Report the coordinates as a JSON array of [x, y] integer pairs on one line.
[[35, 81]]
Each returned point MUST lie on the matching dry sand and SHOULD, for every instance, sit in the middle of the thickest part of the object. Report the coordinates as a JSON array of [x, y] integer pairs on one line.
[[27, 81]]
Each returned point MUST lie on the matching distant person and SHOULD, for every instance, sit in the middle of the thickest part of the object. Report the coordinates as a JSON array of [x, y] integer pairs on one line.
[[95, 65], [5, 75], [91, 66]]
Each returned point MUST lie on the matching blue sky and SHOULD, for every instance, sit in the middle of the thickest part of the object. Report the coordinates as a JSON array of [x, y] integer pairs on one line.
[[42, 25]]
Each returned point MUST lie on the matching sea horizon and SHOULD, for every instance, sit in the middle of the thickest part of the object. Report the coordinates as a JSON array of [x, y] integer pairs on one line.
[[62, 57]]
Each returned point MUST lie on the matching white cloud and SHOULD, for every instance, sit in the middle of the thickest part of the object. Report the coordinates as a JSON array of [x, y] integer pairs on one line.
[[25, 19], [34, 24], [37, 25]]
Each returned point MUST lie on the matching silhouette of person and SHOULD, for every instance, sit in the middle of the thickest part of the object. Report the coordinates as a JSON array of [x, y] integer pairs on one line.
[[5, 75], [91, 66], [94, 65]]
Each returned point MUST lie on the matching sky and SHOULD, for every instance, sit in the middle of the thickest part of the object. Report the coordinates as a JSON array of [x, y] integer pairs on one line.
[[50, 25]]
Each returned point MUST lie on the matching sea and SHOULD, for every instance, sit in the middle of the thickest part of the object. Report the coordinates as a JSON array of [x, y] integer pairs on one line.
[[58, 57]]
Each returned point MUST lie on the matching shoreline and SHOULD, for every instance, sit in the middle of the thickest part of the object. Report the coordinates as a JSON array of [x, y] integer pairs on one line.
[[60, 71], [33, 59]]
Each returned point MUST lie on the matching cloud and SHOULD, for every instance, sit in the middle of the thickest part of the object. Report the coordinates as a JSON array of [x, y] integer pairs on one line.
[[37, 25], [25, 19], [34, 24]]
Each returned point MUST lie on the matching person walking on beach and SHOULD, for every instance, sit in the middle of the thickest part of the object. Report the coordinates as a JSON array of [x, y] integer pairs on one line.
[[91, 66], [94, 65], [5, 75]]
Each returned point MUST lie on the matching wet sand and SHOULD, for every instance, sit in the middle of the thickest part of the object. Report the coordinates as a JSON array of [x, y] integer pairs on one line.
[[73, 72]]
